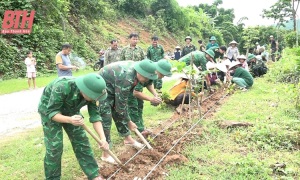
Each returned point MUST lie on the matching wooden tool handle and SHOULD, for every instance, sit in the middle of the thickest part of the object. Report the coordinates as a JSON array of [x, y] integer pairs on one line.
[[100, 143], [142, 138]]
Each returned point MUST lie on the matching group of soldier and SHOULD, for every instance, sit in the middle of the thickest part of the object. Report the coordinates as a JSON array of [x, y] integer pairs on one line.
[[116, 93]]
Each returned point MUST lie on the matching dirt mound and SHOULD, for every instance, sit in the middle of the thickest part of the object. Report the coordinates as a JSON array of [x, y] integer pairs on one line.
[[169, 134]]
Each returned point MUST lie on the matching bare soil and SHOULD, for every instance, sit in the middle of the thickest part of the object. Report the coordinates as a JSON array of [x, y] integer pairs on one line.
[[168, 134]]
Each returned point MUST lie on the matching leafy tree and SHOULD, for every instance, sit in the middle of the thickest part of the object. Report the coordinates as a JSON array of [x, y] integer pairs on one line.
[[282, 11], [250, 36]]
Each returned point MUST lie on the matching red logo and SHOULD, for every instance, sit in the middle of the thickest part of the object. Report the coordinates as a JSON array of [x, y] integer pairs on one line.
[[14, 22]]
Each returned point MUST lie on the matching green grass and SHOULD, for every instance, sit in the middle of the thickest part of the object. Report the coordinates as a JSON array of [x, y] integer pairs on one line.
[[15, 85], [247, 153], [22, 155]]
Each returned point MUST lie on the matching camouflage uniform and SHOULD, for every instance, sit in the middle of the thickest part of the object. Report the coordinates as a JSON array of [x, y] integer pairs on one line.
[[133, 54], [217, 53], [257, 68], [136, 106], [187, 49], [156, 54], [199, 59], [112, 55], [63, 96], [120, 78]]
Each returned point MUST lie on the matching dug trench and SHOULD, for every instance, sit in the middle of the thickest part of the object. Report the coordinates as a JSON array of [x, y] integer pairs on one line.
[[165, 138]]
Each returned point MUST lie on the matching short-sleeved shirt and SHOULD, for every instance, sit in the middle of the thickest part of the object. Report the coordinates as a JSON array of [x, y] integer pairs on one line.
[[120, 78], [155, 53], [188, 49], [29, 65], [112, 55], [199, 59], [132, 54], [63, 96], [244, 74], [64, 60], [273, 44]]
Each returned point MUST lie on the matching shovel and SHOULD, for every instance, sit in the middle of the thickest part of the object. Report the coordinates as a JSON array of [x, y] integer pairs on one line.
[[142, 138], [108, 151]]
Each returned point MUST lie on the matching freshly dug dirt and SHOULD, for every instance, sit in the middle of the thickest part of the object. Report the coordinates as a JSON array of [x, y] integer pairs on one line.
[[169, 133]]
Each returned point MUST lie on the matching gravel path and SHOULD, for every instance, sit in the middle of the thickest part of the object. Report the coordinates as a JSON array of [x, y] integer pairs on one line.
[[18, 111]]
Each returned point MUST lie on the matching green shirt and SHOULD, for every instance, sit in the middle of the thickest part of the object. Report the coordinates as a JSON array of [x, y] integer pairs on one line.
[[187, 49], [120, 78], [199, 59], [112, 55], [63, 96], [139, 87], [133, 54], [209, 45], [244, 74], [155, 53]]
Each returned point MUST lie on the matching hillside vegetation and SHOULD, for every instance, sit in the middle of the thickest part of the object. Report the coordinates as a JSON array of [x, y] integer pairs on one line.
[[89, 26]]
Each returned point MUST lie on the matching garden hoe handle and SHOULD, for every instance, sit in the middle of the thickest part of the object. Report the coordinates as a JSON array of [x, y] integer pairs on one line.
[[142, 138], [108, 151]]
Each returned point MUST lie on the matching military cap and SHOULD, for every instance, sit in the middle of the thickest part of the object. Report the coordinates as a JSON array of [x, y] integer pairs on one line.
[[164, 67], [146, 68]]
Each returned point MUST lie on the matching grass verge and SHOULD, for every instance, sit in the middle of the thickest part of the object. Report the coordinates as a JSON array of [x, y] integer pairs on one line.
[[247, 153], [15, 85]]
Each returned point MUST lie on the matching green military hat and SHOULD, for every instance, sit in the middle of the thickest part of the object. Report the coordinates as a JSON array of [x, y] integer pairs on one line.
[[164, 67], [146, 68], [188, 37], [213, 38], [93, 86], [210, 53], [251, 56]]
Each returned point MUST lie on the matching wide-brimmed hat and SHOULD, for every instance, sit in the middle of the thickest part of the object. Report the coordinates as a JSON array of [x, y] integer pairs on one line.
[[146, 68], [227, 62], [233, 42], [256, 43], [177, 47], [241, 57], [271, 36], [93, 86], [188, 37], [212, 38], [221, 67], [210, 65], [233, 64], [210, 53], [251, 56], [164, 67]]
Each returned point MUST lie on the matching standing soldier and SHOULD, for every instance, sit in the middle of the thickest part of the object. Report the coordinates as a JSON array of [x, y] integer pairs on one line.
[[188, 47], [163, 68], [121, 78], [155, 53], [59, 108], [113, 53], [132, 51], [274, 47], [212, 42]]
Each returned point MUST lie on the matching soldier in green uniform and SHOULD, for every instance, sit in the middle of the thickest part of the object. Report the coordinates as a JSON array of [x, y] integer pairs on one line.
[[241, 77], [188, 47], [219, 52], [200, 60], [155, 53], [136, 100], [59, 108], [212, 42], [256, 66], [112, 54], [121, 78], [132, 51]]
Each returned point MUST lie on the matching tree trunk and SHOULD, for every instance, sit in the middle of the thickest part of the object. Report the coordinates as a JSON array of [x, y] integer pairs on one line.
[[294, 15]]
